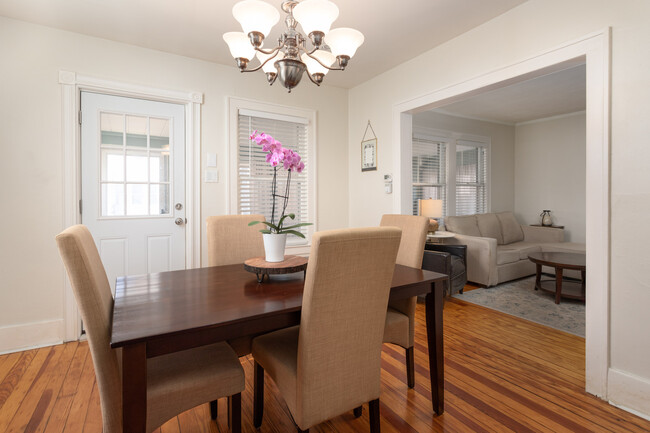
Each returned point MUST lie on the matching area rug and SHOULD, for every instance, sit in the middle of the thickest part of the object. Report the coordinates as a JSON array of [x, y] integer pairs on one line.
[[518, 298]]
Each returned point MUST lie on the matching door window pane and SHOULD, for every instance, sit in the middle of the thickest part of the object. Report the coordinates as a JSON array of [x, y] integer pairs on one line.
[[136, 131], [159, 199], [136, 199], [159, 133], [159, 167], [112, 166], [113, 199], [136, 167]]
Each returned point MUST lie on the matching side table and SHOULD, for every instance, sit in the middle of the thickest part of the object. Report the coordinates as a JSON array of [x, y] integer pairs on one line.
[[439, 236]]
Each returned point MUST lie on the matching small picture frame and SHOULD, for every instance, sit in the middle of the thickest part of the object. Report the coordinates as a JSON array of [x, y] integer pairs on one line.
[[369, 155]]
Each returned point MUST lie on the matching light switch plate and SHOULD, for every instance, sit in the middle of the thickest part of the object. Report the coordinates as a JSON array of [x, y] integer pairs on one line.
[[212, 160], [211, 175]]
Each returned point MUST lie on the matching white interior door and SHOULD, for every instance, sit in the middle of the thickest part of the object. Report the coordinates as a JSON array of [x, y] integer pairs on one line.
[[133, 182]]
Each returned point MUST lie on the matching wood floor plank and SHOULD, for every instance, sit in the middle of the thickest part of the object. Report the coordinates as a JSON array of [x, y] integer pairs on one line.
[[502, 374]]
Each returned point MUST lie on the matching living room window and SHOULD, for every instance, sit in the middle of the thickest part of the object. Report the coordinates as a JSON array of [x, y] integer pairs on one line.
[[253, 176], [453, 168]]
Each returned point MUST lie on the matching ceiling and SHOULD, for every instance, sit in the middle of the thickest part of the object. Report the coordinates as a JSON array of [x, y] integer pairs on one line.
[[193, 28], [550, 95]]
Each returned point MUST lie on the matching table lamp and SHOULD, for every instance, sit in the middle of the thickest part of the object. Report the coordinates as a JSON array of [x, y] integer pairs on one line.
[[433, 209]]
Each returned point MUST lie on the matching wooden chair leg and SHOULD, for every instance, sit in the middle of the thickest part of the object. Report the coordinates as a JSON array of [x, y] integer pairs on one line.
[[374, 416], [258, 395], [228, 400], [358, 411], [214, 409], [410, 367], [235, 413]]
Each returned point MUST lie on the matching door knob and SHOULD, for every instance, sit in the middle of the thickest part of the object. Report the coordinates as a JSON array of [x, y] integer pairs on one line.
[[179, 221], [178, 206]]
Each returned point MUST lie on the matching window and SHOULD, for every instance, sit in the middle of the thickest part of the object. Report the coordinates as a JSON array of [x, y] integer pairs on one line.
[[452, 169], [254, 176]]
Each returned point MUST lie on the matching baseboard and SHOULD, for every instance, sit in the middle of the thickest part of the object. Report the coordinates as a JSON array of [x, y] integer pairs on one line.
[[30, 335], [629, 392]]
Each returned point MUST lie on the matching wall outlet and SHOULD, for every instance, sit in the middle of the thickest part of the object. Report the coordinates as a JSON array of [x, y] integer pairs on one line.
[[211, 175]]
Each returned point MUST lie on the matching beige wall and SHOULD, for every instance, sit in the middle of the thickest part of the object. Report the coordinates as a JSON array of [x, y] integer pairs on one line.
[[502, 192], [31, 181], [550, 172], [522, 33]]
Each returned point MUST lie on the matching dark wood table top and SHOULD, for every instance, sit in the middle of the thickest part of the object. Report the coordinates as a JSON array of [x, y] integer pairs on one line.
[[154, 306], [559, 259]]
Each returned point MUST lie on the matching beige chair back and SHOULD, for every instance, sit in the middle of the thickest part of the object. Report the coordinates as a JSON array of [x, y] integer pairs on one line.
[[414, 236], [95, 301], [231, 241], [343, 314]]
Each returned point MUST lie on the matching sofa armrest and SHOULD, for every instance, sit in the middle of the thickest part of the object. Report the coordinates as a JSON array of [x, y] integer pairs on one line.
[[543, 235], [481, 258]]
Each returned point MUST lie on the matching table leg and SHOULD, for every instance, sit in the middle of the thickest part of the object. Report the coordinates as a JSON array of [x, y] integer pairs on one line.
[[134, 388], [558, 284], [538, 275], [434, 304]]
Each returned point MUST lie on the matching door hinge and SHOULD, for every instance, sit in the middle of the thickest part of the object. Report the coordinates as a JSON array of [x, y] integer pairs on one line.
[[79, 117], [81, 208]]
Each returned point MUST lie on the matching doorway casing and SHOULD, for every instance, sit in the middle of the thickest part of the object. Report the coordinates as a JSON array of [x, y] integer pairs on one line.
[[594, 51], [72, 85]]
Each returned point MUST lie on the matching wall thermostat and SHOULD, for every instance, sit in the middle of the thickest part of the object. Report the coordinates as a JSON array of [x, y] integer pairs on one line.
[[388, 183]]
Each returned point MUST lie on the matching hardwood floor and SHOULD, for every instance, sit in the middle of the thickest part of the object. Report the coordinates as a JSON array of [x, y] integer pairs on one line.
[[502, 374]]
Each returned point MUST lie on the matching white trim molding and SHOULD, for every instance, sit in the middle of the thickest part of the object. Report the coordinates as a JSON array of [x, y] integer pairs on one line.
[[629, 392], [594, 51], [72, 85], [30, 335]]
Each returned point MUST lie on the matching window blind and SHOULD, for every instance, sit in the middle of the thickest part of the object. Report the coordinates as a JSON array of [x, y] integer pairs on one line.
[[255, 175], [471, 178], [429, 167]]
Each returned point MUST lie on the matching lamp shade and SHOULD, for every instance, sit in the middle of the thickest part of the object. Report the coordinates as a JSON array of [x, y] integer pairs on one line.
[[316, 15], [270, 65], [256, 16], [239, 45], [313, 66], [344, 41], [431, 208]]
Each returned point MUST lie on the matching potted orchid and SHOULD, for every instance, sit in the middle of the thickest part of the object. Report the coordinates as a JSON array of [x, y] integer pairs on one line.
[[275, 235]]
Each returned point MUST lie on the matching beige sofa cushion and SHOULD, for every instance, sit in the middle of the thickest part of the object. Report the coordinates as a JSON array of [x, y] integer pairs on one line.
[[463, 225], [516, 251], [565, 247], [506, 255], [510, 228], [488, 225]]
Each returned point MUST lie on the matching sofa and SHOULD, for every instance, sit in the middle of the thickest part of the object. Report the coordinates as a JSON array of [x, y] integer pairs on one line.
[[498, 246]]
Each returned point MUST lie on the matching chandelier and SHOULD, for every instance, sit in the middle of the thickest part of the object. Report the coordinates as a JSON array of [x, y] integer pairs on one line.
[[291, 57]]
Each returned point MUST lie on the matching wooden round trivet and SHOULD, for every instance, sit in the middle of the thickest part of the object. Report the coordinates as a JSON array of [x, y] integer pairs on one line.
[[261, 267]]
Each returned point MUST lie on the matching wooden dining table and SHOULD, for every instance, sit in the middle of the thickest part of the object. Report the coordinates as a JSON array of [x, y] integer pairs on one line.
[[157, 314]]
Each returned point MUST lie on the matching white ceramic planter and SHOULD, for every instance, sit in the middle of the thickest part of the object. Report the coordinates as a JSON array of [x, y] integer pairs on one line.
[[274, 246]]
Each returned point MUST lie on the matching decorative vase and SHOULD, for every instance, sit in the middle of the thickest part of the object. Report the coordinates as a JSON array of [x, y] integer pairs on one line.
[[546, 218], [274, 245]]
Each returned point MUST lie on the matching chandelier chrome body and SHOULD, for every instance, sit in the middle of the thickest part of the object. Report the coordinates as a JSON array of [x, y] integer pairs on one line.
[[291, 57]]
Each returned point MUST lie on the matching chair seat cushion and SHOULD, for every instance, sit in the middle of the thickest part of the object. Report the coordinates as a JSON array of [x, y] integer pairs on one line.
[[277, 353], [182, 380], [396, 330]]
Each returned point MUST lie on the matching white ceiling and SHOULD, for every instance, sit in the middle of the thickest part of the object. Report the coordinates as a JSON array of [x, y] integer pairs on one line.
[[395, 31], [550, 95]]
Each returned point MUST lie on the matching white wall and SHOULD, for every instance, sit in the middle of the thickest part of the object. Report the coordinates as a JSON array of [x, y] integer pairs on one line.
[[522, 33], [31, 182], [550, 172], [502, 150]]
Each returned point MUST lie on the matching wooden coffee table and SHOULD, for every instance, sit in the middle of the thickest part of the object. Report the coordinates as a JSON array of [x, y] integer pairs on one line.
[[560, 261]]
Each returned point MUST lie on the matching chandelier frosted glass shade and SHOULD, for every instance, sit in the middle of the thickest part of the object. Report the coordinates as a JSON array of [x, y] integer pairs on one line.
[[344, 41], [256, 16], [313, 67], [316, 15], [291, 57], [240, 46]]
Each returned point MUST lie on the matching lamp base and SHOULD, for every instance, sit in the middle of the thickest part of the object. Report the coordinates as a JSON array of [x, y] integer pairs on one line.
[[433, 226]]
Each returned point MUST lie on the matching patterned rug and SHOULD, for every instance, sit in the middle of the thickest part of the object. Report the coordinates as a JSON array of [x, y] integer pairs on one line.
[[518, 298]]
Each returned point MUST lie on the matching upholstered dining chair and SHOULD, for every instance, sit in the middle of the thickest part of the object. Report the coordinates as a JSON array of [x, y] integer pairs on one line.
[[175, 382], [331, 362], [232, 241], [400, 317]]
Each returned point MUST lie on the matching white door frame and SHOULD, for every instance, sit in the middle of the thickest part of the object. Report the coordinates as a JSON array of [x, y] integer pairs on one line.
[[72, 85], [595, 51]]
